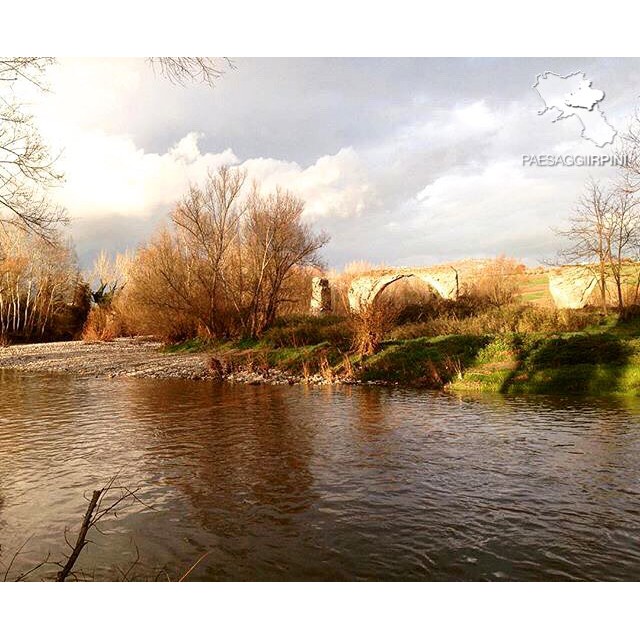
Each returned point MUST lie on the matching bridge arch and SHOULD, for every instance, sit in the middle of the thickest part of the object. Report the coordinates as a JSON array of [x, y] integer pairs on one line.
[[570, 286], [365, 288]]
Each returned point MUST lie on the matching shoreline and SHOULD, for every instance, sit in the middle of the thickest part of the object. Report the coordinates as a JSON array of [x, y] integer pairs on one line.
[[140, 357], [121, 357], [577, 365]]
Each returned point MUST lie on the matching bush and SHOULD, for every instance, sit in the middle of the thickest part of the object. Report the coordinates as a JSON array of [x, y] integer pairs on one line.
[[370, 325], [102, 324], [499, 281]]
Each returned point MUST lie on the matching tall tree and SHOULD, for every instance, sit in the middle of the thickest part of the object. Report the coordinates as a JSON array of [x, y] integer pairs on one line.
[[604, 235], [589, 234], [26, 165], [228, 264], [624, 235]]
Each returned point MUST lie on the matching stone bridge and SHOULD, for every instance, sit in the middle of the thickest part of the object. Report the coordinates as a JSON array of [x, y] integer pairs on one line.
[[570, 287], [366, 288], [448, 281]]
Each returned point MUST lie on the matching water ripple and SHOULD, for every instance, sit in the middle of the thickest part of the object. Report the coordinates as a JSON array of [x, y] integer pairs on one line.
[[323, 484]]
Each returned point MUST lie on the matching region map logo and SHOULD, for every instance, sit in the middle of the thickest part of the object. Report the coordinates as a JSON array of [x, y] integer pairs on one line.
[[573, 96]]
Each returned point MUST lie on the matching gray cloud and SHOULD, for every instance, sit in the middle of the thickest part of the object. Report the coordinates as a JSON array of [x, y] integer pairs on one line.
[[433, 170]]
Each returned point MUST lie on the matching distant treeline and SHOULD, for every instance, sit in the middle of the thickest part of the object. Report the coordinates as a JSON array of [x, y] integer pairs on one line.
[[42, 293]]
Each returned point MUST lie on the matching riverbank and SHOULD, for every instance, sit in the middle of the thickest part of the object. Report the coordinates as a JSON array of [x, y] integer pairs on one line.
[[602, 360], [141, 358], [131, 357]]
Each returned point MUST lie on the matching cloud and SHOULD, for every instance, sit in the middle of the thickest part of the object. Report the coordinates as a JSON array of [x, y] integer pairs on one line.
[[334, 186], [502, 208], [399, 160], [109, 174]]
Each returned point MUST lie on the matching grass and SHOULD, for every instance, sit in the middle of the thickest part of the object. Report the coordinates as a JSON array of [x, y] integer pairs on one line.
[[194, 345], [535, 289], [427, 362], [598, 357], [589, 363]]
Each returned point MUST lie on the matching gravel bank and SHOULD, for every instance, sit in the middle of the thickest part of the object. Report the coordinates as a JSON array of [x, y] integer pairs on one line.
[[138, 358], [132, 357]]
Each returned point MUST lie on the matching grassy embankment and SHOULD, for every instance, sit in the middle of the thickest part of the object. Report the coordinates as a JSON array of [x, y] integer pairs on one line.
[[603, 357]]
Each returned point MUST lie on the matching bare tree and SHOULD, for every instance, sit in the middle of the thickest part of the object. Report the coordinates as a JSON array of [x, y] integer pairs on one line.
[[229, 263], [498, 282], [26, 165], [108, 276], [604, 234], [38, 283], [629, 148], [624, 233], [208, 221], [590, 234], [276, 241], [182, 71]]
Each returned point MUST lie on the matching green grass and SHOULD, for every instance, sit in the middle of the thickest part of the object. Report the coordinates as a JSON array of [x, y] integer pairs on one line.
[[602, 359], [535, 289], [589, 363], [421, 361], [195, 345]]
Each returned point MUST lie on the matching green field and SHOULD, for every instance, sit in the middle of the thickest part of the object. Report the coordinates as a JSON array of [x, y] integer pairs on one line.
[[535, 289]]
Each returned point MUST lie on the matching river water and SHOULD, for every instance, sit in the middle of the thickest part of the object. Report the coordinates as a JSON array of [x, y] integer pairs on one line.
[[356, 483]]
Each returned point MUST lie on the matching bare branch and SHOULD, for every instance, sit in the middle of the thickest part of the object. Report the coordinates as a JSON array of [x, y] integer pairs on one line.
[[26, 165], [182, 71]]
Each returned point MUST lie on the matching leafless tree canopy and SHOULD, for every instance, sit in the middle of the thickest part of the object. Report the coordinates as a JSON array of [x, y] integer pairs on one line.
[[183, 71], [604, 233], [26, 166], [227, 266]]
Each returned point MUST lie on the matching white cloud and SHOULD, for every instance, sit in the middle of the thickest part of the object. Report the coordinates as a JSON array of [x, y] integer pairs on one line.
[[502, 208], [107, 174], [334, 186]]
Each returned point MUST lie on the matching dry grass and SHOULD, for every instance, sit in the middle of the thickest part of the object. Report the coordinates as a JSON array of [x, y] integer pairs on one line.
[[512, 318], [102, 325], [370, 326]]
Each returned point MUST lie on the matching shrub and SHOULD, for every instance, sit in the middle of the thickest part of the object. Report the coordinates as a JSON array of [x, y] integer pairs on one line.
[[499, 281], [370, 325], [102, 324]]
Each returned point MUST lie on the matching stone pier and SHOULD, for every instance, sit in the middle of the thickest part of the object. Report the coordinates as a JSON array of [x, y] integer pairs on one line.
[[320, 296]]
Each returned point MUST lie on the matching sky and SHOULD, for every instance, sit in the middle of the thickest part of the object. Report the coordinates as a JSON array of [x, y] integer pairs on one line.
[[402, 161]]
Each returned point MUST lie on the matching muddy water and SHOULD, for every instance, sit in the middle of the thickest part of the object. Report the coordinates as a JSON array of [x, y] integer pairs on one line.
[[319, 483]]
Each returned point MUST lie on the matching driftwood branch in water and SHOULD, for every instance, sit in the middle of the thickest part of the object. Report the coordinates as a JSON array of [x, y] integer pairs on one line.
[[81, 541]]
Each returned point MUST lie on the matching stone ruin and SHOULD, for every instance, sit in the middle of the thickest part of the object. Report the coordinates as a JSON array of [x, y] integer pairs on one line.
[[366, 288], [570, 287], [320, 296]]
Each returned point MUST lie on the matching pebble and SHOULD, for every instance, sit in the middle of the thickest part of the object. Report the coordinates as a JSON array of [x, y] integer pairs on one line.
[[137, 358]]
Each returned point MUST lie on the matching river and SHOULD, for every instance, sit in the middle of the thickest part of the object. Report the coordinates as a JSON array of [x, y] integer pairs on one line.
[[330, 483]]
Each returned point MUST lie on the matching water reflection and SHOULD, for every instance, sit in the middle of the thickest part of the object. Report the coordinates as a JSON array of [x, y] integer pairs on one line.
[[325, 483]]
